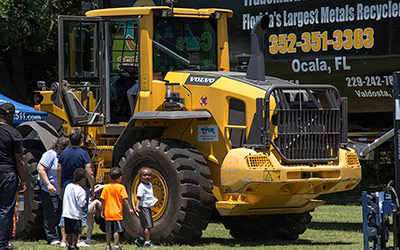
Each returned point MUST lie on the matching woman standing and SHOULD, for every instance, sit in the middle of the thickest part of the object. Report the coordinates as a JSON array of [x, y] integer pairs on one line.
[[49, 195]]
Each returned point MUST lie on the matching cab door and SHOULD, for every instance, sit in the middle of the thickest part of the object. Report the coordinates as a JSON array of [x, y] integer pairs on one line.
[[80, 69]]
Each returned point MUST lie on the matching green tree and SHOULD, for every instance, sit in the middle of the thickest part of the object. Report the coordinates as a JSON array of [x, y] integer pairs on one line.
[[28, 43]]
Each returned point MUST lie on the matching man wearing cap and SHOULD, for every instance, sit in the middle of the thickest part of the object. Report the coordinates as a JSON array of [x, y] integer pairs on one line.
[[12, 164]]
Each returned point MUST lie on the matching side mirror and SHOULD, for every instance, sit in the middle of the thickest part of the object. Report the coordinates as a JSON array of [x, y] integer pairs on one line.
[[41, 85]]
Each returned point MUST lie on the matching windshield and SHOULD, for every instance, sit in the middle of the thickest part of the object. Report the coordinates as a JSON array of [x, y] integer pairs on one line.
[[124, 45], [124, 68], [184, 43]]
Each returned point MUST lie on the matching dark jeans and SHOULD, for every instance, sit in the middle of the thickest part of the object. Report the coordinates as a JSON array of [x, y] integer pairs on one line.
[[8, 196], [52, 213]]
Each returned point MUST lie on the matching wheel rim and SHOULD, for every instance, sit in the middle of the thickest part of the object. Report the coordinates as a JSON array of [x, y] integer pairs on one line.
[[160, 191]]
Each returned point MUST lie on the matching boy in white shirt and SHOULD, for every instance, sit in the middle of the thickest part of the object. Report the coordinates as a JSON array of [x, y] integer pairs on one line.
[[73, 200], [145, 200]]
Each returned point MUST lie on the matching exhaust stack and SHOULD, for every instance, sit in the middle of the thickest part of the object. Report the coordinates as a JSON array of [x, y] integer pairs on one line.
[[256, 69]]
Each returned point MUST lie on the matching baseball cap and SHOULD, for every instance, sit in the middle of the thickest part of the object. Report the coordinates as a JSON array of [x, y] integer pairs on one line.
[[7, 108]]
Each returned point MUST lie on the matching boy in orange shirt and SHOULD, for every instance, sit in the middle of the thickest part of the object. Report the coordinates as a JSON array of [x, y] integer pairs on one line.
[[113, 197]]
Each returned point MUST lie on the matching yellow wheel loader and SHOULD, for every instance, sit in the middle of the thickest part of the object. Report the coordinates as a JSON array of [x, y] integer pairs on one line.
[[151, 86]]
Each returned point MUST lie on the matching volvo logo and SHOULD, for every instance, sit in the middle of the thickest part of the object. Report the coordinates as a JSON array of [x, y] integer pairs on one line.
[[204, 80]]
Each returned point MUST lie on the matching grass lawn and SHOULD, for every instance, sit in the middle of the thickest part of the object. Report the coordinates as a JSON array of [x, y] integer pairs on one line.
[[334, 226]]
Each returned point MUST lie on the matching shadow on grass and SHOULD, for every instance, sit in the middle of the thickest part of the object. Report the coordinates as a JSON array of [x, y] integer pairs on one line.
[[101, 237], [340, 226], [235, 242], [353, 197], [204, 241]]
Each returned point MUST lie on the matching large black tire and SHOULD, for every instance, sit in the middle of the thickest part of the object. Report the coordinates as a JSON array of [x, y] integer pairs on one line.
[[268, 227], [30, 221], [189, 203]]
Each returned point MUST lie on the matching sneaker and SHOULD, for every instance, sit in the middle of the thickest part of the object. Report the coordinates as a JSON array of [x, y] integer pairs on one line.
[[55, 242], [11, 247], [82, 244], [117, 247], [149, 245], [63, 244], [108, 248], [139, 242]]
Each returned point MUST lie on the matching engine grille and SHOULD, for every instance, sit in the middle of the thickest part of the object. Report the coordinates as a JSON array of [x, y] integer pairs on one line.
[[304, 123], [258, 161], [308, 134], [352, 160]]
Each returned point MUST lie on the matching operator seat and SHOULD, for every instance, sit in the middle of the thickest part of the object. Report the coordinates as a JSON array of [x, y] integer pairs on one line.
[[77, 114]]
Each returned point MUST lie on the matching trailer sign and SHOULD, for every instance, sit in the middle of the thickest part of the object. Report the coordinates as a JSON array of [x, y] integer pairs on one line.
[[349, 44], [352, 45], [207, 133]]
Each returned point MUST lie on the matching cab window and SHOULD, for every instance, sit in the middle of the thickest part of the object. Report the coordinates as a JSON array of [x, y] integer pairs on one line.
[[184, 43]]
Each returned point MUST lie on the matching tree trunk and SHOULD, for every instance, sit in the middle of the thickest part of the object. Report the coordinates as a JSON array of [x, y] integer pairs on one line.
[[6, 84], [18, 71], [12, 77]]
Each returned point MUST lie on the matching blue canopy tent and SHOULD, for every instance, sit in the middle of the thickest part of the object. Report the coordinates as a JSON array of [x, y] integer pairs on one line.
[[23, 113]]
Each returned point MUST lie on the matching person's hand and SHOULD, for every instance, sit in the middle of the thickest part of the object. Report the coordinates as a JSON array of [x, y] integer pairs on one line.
[[102, 214], [137, 209], [131, 211], [22, 187], [51, 188], [98, 187]]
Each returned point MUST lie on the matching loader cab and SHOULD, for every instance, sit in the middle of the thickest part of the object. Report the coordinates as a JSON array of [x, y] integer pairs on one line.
[[109, 59], [99, 69]]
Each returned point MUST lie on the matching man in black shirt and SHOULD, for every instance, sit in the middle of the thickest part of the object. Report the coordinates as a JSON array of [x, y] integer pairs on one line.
[[12, 164]]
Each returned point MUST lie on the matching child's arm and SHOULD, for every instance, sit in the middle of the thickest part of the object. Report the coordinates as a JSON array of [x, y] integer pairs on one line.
[[98, 187], [102, 208], [82, 198], [126, 203], [137, 204]]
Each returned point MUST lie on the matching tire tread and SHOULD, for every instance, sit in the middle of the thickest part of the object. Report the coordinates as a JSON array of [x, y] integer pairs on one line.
[[195, 197]]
